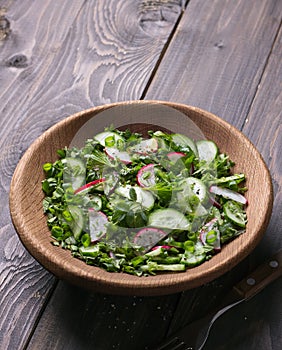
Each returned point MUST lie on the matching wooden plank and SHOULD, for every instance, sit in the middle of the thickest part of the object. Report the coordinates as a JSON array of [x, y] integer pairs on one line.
[[25, 286], [263, 127], [215, 61], [56, 59], [216, 58], [96, 321], [259, 321]]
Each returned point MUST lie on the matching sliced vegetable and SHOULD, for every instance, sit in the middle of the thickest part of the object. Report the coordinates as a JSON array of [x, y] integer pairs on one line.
[[185, 141], [85, 188], [235, 213], [207, 150], [143, 197], [197, 186], [168, 219], [229, 194], [108, 138], [145, 146], [175, 156], [77, 223], [148, 237], [75, 172], [97, 224], [146, 176], [152, 266], [210, 235], [115, 153]]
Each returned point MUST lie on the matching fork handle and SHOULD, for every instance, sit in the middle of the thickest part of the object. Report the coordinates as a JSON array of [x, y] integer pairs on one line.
[[266, 273]]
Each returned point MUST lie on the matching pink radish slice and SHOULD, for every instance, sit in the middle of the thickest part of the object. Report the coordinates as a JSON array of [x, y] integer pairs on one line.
[[146, 176], [148, 237], [146, 146], [174, 156], [89, 185], [228, 194], [114, 153], [215, 203], [97, 224], [166, 247]]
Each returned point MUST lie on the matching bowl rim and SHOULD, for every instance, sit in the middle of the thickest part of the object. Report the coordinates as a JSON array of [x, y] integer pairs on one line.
[[97, 279]]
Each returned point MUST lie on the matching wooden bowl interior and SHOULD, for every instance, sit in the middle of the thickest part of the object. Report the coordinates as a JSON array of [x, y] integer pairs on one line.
[[26, 209]]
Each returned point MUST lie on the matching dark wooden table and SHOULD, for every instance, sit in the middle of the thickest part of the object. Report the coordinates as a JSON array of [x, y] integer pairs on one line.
[[60, 57]]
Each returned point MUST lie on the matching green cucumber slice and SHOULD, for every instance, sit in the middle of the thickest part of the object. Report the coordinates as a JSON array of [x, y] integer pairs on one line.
[[235, 213], [78, 222], [96, 202], [74, 172], [184, 141], [207, 150], [143, 197], [168, 218], [197, 186], [193, 260]]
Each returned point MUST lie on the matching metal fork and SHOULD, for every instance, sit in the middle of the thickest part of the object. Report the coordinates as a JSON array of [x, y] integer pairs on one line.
[[197, 332], [195, 335]]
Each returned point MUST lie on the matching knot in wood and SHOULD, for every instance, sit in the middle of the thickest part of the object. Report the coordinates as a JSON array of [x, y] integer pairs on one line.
[[156, 16], [17, 61], [4, 27], [219, 44]]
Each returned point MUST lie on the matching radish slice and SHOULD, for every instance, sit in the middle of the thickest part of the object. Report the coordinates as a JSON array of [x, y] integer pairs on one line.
[[229, 194], [146, 146], [215, 203], [114, 153], [148, 237], [89, 185], [97, 224], [166, 247], [174, 156], [146, 176]]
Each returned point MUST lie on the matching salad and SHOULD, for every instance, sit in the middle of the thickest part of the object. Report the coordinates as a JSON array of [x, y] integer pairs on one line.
[[143, 205]]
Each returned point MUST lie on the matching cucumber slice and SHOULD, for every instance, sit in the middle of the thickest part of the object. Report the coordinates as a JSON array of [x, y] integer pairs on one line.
[[197, 186], [168, 218], [96, 202], [235, 213], [184, 141], [78, 222], [207, 150], [145, 146], [193, 260], [143, 197], [105, 138], [97, 224], [74, 172], [115, 153]]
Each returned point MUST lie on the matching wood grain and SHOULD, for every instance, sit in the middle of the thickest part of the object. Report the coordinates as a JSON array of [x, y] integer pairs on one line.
[[219, 68], [97, 321], [57, 58], [263, 126], [216, 59], [47, 74], [25, 286]]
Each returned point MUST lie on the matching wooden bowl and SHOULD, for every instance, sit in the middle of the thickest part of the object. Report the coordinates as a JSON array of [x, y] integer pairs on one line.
[[30, 223]]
